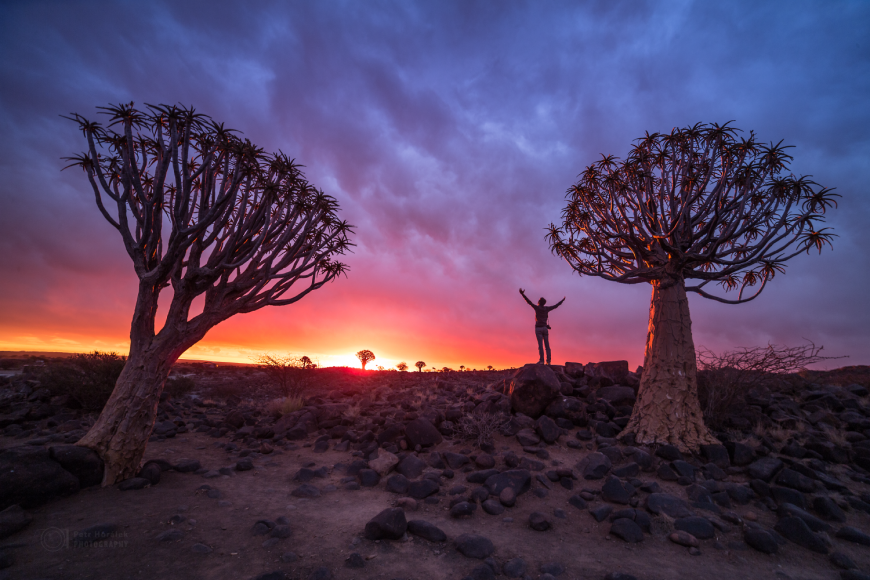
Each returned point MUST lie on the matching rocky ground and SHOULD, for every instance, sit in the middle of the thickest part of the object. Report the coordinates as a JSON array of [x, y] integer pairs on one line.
[[382, 475]]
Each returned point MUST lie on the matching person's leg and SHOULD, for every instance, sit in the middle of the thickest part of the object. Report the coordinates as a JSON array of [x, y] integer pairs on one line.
[[540, 336], [547, 344]]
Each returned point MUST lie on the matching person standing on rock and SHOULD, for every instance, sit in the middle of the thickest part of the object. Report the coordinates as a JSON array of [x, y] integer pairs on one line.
[[542, 329]]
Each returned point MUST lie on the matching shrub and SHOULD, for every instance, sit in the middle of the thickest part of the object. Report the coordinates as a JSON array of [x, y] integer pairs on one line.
[[481, 426], [88, 378], [293, 375], [178, 386], [280, 407], [725, 380]]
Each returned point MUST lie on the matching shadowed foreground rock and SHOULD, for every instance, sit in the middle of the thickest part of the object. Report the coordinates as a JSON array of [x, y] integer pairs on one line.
[[390, 524], [532, 388]]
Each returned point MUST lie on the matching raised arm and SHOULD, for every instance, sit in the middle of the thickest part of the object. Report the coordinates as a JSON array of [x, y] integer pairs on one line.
[[557, 304], [526, 298]]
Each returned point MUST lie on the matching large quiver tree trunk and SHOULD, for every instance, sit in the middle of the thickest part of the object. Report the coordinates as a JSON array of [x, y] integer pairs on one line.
[[667, 408]]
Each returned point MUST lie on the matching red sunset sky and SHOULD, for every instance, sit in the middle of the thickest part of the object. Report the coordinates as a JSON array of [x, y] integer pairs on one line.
[[449, 133]]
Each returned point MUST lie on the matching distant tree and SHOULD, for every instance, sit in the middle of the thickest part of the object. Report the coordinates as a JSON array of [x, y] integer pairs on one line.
[[203, 214], [461, 367], [419, 364], [291, 374], [402, 366], [379, 367], [698, 203], [489, 367], [365, 356], [446, 370]]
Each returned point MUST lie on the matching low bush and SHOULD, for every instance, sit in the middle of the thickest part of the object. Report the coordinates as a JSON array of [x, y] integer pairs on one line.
[[725, 381], [178, 386], [88, 378], [280, 407], [481, 426]]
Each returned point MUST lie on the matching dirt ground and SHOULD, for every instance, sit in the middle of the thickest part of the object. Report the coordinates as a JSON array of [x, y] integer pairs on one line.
[[327, 529]]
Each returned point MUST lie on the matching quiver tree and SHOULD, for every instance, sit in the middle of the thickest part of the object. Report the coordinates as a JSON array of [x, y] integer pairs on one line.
[[365, 356], [202, 214], [698, 204], [419, 364]]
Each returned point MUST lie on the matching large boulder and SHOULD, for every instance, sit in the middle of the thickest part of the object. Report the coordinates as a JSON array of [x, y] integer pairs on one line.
[[575, 370], [13, 519], [617, 395], [82, 462], [30, 477], [532, 388], [423, 433], [616, 371]]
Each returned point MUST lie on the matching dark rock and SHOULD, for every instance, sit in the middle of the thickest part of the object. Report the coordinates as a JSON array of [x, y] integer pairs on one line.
[[423, 433], [615, 371], [663, 503], [187, 466], [480, 476], [492, 507], [796, 530], [601, 512], [595, 466], [151, 472], [532, 388], [814, 523], [699, 527], [668, 452], [577, 501], [281, 532], [13, 519], [717, 455], [615, 491], [485, 461], [481, 572], [462, 509], [474, 546], [306, 490], [519, 480], [411, 466], [390, 524], [262, 527], [391, 434], [29, 477], [515, 568], [740, 454], [422, 489], [783, 495], [244, 464], [684, 539], [552, 568], [547, 429], [619, 576], [841, 560], [368, 477], [398, 484], [828, 509], [666, 473], [426, 530], [853, 535], [627, 530], [456, 460], [853, 575], [82, 462], [355, 560], [321, 573], [795, 480], [539, 522], [628, 470], [760, 540], [134, 483], [607, 429], [765, 468], [617, 395]]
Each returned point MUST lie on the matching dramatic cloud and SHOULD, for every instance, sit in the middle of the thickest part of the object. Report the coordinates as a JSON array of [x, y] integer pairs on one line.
[[449, 132]]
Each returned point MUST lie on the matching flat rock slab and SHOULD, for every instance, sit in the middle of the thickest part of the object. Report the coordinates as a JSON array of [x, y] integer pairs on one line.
[[663, 503], [626, 530], [427, 531], [796, 530], [519, 480]]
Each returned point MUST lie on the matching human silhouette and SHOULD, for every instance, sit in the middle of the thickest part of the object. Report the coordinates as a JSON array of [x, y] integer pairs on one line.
[[542, 329]]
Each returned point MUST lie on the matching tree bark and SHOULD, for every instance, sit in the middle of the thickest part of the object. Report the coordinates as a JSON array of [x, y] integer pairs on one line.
[[121, 433], [667, 408]]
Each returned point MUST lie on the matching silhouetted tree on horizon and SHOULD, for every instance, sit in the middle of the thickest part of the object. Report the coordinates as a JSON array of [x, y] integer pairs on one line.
[[698, 203], [365, 356], [402, 366], [201, 213], [419, 364]]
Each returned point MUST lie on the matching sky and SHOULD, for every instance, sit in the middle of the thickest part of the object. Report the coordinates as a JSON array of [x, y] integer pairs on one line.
[[449, 133]]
